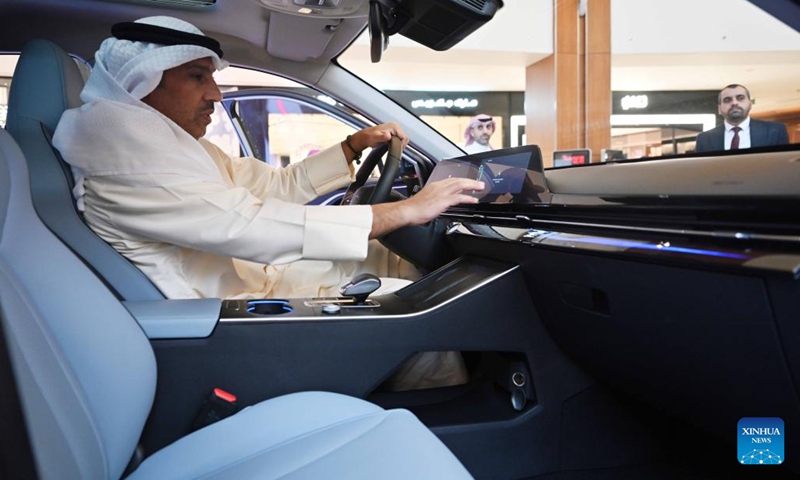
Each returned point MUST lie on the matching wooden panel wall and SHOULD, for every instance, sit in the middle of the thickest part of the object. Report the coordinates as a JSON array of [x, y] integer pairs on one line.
[[540, 107], [568, 94], [598, 86]]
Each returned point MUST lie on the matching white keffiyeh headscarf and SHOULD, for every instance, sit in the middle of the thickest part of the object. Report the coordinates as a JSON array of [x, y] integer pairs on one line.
[[114, 132], [126, 70]]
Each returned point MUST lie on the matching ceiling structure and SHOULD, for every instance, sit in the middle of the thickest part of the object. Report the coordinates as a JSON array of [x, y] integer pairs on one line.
[[656, 45]]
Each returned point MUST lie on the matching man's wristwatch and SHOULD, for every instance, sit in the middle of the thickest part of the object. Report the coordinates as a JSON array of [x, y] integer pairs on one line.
[[357, 154]]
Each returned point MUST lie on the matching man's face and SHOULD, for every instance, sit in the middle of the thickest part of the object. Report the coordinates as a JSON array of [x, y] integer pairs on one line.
[[186, 95], [734, 105], [482, 132]]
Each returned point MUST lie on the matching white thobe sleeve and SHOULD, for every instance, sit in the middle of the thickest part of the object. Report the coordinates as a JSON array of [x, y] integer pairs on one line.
[[299, 182], [231, 221]]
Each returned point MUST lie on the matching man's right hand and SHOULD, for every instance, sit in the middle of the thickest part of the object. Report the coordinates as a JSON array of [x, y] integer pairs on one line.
[[423, 207]]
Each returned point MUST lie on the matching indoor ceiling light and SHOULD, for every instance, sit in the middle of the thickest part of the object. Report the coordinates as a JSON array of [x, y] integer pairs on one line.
[[318, 8]]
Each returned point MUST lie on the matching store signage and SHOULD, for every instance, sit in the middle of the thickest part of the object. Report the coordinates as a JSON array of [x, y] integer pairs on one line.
[[429, 103], [638, 102], [664, 102]]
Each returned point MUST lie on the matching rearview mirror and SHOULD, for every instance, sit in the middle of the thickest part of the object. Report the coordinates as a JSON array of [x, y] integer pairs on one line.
[[436, 24], [378, 36]]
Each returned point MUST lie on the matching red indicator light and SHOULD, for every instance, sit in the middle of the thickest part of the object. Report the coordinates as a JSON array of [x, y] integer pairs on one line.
[[228, 397]]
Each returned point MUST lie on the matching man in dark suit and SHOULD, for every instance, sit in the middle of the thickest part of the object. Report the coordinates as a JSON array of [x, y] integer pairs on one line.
[[739, 130]]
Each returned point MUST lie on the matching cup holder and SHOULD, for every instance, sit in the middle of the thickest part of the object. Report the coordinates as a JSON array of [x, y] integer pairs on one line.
[[268, 307]]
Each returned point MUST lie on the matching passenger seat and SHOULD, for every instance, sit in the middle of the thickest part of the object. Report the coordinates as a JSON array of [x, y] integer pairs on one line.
[[86, 376]]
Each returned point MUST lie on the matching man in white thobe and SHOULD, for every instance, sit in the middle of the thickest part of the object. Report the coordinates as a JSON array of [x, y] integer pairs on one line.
[[198, 222], [479, 131]]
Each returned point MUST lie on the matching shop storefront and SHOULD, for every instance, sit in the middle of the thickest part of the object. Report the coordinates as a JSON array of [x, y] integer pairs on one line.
[[642, 123], [450, 113], [660, 123]]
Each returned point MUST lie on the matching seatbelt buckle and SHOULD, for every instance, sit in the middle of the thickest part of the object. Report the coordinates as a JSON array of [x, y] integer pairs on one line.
[[219, 405]]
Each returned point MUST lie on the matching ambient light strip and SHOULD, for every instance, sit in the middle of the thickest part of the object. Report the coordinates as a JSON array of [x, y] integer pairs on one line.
[[661, 246]]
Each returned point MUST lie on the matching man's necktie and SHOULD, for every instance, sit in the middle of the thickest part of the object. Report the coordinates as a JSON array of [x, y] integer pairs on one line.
[[735, 140]]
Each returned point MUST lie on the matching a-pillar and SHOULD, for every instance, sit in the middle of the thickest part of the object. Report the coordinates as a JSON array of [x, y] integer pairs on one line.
[[568, 94]]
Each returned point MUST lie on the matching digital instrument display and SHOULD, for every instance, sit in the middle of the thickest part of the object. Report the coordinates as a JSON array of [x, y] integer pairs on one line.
[[510, 175]]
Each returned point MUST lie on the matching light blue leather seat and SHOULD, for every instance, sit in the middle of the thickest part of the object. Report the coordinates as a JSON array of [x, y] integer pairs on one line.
[[87, 375], [46, 82]]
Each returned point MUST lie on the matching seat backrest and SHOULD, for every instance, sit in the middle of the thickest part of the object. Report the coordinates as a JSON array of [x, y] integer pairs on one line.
[[46, 82], [85, 370]]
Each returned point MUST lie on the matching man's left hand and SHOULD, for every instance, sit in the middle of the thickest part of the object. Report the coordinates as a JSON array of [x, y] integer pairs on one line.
[[374, 136]]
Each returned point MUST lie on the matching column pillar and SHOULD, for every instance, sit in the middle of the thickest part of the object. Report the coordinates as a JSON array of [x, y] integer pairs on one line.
[[568, 94]]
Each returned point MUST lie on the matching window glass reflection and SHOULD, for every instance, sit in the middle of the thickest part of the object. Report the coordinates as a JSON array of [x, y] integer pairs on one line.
[[659, 95]]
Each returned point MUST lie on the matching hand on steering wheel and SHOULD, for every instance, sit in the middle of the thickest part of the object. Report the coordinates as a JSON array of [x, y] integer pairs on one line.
[[420, 243], [383, 188]]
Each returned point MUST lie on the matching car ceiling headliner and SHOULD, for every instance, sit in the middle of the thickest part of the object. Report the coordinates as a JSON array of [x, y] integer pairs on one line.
[[240, 25]]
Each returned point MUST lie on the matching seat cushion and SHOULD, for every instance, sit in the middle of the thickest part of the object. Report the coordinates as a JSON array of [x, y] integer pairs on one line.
[[308, 435]]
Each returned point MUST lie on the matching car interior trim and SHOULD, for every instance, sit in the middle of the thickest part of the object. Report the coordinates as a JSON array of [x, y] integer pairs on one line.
[[177, 318], [717, 234], [391, 303], [745, 256]]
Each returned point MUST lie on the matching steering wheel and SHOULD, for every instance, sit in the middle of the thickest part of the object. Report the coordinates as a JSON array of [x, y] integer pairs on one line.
[[425, 246], [382, 190]]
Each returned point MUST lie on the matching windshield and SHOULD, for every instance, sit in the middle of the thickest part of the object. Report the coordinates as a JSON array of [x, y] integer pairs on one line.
[[603, 80]]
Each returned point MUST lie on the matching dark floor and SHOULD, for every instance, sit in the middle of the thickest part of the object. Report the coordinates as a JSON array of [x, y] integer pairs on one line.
[[704, 458], [674, 471]]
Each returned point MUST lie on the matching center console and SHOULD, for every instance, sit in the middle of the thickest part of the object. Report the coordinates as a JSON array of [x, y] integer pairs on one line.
[[434, 291], [264, 348]]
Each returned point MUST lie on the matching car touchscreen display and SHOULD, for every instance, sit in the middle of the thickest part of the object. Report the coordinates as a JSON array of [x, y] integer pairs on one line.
[[511, 175]]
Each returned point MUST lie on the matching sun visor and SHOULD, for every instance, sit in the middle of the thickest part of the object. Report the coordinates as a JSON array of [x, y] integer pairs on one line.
[[437, 24]]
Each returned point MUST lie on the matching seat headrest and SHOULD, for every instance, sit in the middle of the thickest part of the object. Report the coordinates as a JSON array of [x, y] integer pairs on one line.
[[46, 82]]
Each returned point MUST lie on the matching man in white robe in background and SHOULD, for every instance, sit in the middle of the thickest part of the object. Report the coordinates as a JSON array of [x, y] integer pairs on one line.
[[479, 131], [199, 223]]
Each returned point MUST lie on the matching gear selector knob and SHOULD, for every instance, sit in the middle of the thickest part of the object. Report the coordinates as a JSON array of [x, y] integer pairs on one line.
[[360, 286]]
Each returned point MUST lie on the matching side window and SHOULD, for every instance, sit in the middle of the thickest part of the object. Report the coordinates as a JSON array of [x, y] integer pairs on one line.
[[277, 120], [3, 102], [8, 63], [222, 133], [282, 131]]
